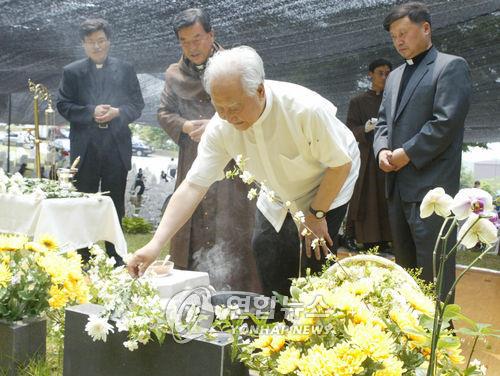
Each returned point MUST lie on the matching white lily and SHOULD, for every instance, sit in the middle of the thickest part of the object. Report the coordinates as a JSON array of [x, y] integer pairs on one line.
[[436, 200], [469, 200], [481, 230]]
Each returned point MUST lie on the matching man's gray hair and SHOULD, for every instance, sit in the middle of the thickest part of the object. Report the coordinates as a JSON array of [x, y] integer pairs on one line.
[[243, 61]]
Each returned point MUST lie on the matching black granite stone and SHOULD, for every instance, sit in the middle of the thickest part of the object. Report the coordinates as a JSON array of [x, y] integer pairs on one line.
[[83, 356], [21, 342]]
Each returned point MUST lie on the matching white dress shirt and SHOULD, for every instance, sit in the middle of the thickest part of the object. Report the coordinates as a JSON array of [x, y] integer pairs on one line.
[[289, 148]]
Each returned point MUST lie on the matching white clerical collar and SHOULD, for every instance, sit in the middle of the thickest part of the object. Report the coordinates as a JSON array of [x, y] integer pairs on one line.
[[409, 61], [99, 66]]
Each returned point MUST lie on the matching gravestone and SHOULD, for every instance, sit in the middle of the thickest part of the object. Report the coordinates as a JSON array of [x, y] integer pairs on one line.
[[200, 356]]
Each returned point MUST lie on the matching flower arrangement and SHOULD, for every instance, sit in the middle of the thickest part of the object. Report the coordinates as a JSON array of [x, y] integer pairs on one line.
[[37, 188], [36, 279], [361, 319], [133, 304], [364, 315]]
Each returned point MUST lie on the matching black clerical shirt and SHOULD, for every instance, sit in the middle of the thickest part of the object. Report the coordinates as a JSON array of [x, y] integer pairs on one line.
[[408, 72]]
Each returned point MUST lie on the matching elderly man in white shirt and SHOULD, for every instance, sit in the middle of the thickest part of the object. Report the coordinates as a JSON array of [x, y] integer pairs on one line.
[[292, 142]]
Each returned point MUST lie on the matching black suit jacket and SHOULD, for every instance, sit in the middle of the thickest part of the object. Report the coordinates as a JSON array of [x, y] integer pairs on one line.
[[79, 95], [428, 125]]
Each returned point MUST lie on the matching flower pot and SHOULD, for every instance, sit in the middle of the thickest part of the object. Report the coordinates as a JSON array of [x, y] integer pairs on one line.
[[20, 342]]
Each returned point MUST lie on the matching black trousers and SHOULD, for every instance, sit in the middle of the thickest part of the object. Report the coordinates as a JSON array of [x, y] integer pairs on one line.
[[277, 253], [102, 167], [414, 239]]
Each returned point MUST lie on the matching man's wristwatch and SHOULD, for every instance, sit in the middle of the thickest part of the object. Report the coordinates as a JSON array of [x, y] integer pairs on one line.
[[317, 213]]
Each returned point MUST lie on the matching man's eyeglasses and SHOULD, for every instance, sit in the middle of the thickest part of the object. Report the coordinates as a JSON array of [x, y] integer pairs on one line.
[[99, 43]]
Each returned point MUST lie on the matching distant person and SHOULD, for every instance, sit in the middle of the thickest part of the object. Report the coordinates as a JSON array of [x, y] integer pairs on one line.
[[100, 96], [139, 182], [172, 168], [419, 135], [23, 168], [477, 184], [367, 216], [163, 176]]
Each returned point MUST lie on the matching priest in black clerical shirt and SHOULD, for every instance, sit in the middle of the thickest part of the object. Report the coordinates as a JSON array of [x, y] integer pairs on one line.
[[419, 135], [100, 96]]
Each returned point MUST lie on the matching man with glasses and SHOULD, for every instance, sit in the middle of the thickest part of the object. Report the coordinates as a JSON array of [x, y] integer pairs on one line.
[[100, 96], [217, 238]]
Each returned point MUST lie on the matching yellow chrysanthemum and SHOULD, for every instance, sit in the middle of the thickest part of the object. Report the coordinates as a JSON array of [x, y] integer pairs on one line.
[[419, 301], [56, 266], [12, 243], [454, 355], [5, 275], [371, 340], [392, 367], [361, 287], [48, 242], [345, 360], [262, 342], [288, 361], [58, 297], [316, 362], [408, 324], [34, 247]]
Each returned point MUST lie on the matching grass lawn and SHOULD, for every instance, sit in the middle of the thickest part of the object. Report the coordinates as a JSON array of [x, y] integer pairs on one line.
[[489, 261]]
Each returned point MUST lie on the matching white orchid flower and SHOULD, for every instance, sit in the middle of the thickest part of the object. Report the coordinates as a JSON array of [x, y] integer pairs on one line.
[[436, 200], [471, 200], [476, 230]]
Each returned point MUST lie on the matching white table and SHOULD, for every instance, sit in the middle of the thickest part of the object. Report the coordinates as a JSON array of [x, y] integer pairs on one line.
[[74, 222]]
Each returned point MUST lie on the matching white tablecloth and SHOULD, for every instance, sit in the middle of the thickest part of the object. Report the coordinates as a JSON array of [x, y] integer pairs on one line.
[[73, 222]]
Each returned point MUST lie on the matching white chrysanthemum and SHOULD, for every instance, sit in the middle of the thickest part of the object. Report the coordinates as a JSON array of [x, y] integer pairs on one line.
[[476, 230], [436, 200], [98, 328]]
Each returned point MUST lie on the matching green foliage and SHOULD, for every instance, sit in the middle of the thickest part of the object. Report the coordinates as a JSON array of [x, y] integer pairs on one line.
[[466, 147], [28, 296], [136, 225], [154, 136], [466, 178]]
